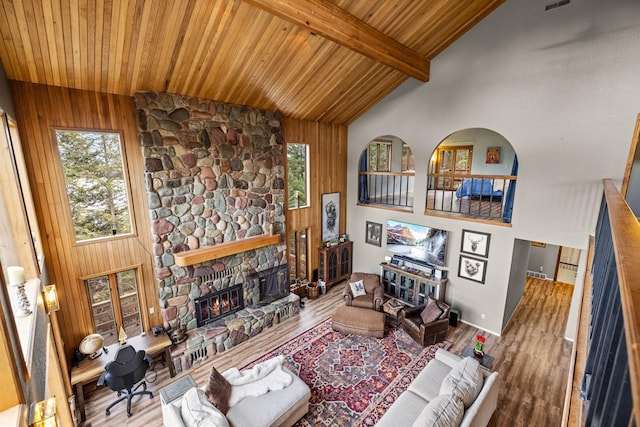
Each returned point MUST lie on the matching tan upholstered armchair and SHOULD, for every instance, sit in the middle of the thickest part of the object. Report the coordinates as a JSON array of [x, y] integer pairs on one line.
[[374, 296], [431, 332]]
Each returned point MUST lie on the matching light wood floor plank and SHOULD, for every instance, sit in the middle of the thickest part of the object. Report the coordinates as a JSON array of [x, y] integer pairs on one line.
[[531, 356]]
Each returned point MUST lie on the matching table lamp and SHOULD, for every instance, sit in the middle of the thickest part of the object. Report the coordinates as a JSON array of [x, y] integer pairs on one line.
[[91, 345]]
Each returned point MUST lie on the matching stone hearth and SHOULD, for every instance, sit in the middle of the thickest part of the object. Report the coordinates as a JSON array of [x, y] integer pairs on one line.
[[210, 340], [214, 173]]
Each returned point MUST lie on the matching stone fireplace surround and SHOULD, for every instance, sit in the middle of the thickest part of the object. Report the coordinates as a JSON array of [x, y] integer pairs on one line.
[[214, 173]]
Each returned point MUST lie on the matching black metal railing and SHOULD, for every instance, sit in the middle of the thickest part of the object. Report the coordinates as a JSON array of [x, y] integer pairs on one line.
[[475, 196], [393, 189], [611, 381]]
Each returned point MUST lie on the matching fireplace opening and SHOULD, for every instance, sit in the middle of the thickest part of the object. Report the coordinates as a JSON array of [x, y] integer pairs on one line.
[[217, 305], [272, 284]]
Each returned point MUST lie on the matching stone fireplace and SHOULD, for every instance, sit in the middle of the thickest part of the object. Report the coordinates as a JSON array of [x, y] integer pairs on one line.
[[214, 174], [218, 305]]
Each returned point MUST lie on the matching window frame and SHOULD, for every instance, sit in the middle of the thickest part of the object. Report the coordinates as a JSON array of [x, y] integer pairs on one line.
[[294, 271], [307, 203], [116, 307], [389, 150], [127, 185]]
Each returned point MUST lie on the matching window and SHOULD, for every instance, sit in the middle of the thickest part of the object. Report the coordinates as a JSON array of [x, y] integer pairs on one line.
[[18, 221], [114, 303], [408, 162], [386, 174], [297, 175], [96, 183], [298, 266], [453, 163], [380, 156]]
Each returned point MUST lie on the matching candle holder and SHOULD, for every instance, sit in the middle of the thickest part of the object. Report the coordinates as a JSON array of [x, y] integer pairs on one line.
[[17, 280], [23, 308]]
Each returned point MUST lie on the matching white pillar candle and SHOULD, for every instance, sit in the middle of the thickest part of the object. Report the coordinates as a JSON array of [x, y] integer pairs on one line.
[[16, 275]]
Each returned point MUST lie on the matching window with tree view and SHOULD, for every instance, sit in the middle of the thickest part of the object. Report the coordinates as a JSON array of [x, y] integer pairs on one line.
[[297, 175], [92, 163]]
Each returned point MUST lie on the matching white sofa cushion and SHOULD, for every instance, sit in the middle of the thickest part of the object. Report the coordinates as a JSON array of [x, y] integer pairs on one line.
[[197, 411], [357, 289], [464, 381], [445, 410]]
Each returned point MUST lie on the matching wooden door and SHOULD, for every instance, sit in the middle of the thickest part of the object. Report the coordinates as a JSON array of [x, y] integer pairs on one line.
[[454, 163]]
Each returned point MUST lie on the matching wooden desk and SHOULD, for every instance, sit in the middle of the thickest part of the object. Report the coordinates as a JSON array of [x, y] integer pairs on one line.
[[89, 370]]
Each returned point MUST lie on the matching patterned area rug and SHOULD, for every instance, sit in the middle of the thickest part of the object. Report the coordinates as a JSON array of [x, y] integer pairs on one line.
[[353, 379]]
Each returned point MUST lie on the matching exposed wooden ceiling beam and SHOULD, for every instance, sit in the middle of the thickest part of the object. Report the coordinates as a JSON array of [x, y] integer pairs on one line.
[[330, 21]]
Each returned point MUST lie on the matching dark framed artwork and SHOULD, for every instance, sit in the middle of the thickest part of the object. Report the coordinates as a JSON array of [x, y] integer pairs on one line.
[[493, 155], [475, 243], [330, 216], [472, 268], [374, 233]]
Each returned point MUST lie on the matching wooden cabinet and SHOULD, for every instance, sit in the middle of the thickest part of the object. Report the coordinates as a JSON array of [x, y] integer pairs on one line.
[[335, 263], [411, 287]]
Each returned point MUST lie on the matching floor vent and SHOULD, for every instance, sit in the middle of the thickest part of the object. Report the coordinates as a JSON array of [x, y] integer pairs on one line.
[[536, 275], [556, 4]]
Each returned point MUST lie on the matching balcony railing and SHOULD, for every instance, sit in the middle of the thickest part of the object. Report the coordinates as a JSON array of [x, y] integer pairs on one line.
[[474, 196], [611, 381], [394, 189]]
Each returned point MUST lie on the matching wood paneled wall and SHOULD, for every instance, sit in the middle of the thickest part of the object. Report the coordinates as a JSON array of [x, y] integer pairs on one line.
[[328, 174], [39, 110]]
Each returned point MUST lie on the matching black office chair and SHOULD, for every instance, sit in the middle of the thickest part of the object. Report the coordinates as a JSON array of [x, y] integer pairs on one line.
[[127, 369]]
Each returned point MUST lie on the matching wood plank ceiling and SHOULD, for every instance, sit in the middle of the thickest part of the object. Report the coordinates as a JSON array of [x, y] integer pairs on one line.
[[322, 60]]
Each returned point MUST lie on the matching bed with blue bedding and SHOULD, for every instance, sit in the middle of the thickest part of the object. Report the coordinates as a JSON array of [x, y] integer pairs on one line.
[[478, 187]]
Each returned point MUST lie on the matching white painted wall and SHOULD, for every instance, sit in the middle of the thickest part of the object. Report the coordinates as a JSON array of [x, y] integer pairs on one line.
[[561, 86]]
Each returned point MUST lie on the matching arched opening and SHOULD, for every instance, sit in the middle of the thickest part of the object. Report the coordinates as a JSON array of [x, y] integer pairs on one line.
[[386, 174], [472, 173]]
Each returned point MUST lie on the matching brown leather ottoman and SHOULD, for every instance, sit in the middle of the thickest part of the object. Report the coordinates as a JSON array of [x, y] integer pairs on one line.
[[359, 321]]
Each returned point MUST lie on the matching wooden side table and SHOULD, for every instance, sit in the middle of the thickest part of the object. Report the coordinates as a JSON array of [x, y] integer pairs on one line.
[[392, 309]]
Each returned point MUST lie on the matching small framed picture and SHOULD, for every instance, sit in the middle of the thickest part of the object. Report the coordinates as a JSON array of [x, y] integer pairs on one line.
[[493, 155], [374, 233], [472, 268], [330, 216], [475, 243]]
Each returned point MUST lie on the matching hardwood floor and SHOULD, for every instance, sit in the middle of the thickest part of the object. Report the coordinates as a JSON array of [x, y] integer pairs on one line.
[[532, 358]]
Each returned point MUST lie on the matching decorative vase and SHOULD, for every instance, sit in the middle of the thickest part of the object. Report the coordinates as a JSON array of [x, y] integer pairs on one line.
[[478, 353]]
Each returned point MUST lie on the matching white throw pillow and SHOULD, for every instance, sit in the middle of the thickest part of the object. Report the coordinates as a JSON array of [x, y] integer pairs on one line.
[[464, 381], [197, 411], [443, 411], [357, 289]]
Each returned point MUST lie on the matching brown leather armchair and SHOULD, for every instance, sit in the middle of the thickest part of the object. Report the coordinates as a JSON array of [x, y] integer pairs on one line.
[[372, 286], [429, 333]]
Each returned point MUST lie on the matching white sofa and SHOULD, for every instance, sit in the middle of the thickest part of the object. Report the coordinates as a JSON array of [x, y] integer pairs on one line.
[[276, 408], [411, 407]]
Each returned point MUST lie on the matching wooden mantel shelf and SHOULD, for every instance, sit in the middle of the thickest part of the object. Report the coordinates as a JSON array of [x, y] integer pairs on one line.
[[220, 250]]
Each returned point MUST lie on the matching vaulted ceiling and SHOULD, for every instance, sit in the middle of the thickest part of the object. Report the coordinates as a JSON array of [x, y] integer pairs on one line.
[[324, 60]]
